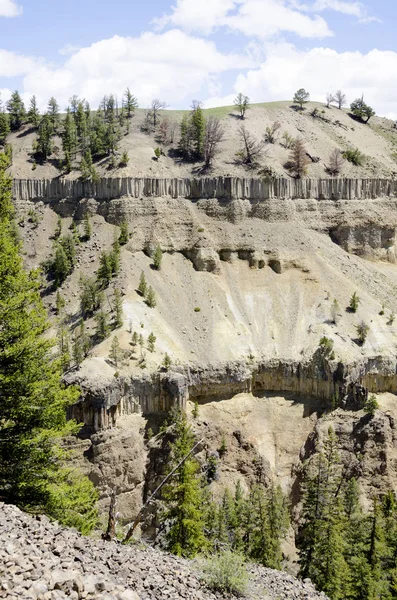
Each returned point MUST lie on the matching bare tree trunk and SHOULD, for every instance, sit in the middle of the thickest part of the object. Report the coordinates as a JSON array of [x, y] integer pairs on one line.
[[111, 530]]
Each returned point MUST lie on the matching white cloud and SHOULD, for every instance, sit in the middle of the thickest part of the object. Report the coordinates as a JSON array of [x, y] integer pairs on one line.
[[355, 9], [9, 8], [265, 18], [173, 66], [15, 65], [197, 15], [259, 18], [322, 70]]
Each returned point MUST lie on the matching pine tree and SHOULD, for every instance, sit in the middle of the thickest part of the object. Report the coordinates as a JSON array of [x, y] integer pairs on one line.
[[53, 113], [115, 258], [123, 237], [157, 258], [183, 497], [354, 302], [64, 347], [105, 271], [33, 115], [135, 339], [301, 97], [142, 287], [115, 351], [130, 103], [43, 144], [59, 303], [150, 298], [102, 330], [151, 342], [33, 400], [87, 227], [69, 135], [117, 308], [61, 266], [89, 296], [198, 131], [4, 127], [242, 103], [16, 110], [322, 554]]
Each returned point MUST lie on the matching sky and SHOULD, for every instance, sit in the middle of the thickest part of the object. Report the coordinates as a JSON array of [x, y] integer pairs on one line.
[[207, 50]]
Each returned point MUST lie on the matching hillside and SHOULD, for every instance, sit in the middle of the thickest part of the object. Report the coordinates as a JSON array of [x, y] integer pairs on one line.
[[329, 129]]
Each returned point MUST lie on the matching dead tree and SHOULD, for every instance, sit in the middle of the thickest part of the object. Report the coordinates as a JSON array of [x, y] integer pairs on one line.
[[111, 530], [298, 159], [336, 162], [214, 133], [251, 149], [340, 99], [155, 109], [329, 99]]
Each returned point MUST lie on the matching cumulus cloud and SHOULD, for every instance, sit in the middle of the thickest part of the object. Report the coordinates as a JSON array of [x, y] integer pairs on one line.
[[193, 15], [322, 70], [260, 18], [173, 66], [265, 18], [9, 8]]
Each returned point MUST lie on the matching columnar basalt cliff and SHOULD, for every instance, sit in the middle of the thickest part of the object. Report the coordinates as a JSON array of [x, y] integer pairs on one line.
[[337, 384], [206, 187]]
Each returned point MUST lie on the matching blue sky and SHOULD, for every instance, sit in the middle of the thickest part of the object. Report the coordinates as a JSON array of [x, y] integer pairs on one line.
[[203, 49]]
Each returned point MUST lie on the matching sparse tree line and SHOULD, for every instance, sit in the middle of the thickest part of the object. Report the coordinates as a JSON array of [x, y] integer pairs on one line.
[[90, 136]]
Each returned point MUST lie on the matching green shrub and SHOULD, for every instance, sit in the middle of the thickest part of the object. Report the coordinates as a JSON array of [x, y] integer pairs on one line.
[[362, 331], [354, 302], [354, 156], [197, 309], [225, 572], [371, 405]]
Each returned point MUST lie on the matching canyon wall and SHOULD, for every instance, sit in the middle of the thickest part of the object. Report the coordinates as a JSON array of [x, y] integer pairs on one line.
[[227, 188], [338, 384]]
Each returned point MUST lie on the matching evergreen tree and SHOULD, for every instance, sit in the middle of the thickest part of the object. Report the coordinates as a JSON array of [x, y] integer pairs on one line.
[[123, 237], [89, 296], [43, 144], [87, 227], [115, 257], [105, 271], [142, 287], [150, 298], [322, 554], [198, 131], [185, 141], [16, 110], [151, 342], [117, 308], [130, 103], [115, 351], [61, 266], [69, 135], [59, 303], [135, 339], [64, 347], [102, 330], [242, 103], [301, 97], [4, 127], [81, 344], [53, 113], [157, 258], [33, 115], [183, 497], [33, 400]]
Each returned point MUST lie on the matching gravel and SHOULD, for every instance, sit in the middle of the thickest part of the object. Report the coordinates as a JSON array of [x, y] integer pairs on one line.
[[41, 560]]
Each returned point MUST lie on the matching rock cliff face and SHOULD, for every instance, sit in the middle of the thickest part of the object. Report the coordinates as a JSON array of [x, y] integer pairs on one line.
[[250, 275], [206, 187]]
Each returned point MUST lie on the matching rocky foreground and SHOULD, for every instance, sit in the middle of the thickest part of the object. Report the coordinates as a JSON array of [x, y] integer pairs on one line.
[[43, 561]]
